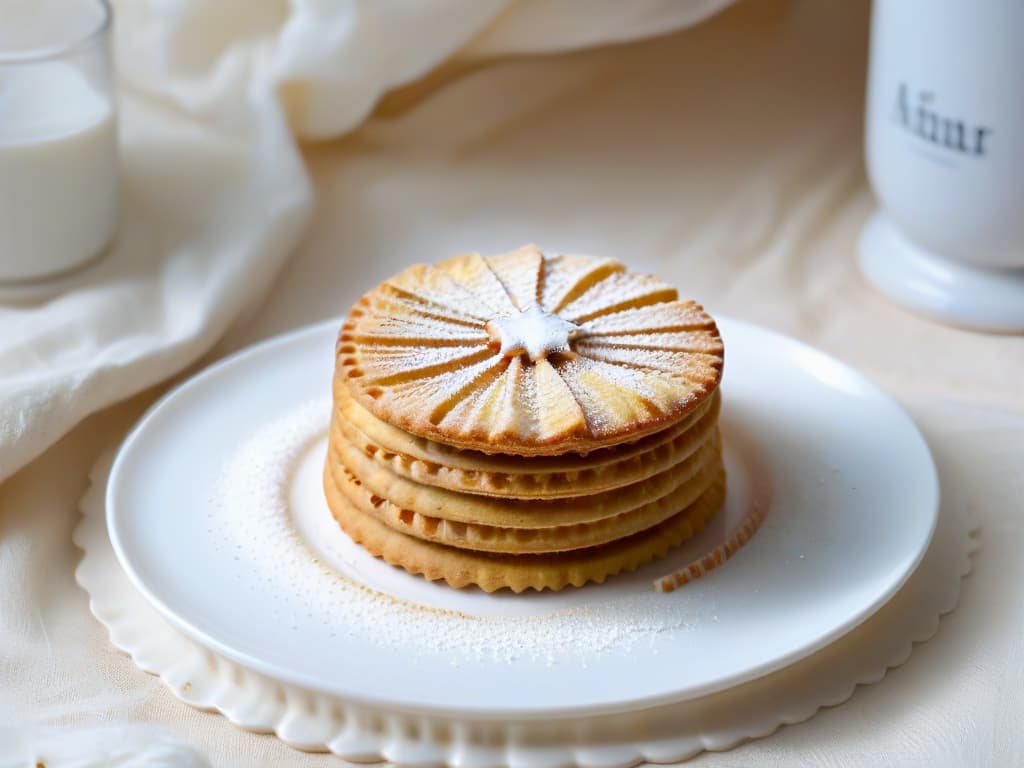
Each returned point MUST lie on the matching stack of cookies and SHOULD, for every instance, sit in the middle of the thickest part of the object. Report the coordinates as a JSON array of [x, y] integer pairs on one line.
[[525, 421]]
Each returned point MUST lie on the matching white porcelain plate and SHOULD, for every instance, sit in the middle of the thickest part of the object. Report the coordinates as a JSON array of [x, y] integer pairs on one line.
[[215, 511]]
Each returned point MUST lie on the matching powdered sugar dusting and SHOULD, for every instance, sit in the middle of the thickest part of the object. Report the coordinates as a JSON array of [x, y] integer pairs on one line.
[[534, 332], [441, 333], [265, 545]]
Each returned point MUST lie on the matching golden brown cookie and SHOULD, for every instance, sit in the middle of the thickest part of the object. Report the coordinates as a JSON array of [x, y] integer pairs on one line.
[[526, 420], [539, 477], [528, 353], [696, 475], [461, 568], [485, 510]]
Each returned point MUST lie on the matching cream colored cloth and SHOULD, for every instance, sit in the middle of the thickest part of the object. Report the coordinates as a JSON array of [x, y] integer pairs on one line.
[[328, 61], [728, 159], [215, 192], [209, 216]]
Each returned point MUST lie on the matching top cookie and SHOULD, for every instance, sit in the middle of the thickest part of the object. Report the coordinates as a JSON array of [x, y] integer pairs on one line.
[[528, 353]]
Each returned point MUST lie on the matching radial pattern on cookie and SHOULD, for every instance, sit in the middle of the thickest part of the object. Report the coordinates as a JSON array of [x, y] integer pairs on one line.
[[527, 352]]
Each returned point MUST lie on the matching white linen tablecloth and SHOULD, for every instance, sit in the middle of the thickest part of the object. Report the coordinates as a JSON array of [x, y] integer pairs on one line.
[[726, 158]]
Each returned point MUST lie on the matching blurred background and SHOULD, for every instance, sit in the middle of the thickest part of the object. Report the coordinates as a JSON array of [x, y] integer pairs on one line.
[[278, 159]]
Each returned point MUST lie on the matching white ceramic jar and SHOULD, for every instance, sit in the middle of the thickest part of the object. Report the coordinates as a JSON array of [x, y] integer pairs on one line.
[[58, 138], [944, 139]]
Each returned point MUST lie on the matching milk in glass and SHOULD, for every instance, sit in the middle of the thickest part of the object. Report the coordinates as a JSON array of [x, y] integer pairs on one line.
[[58, 141]]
